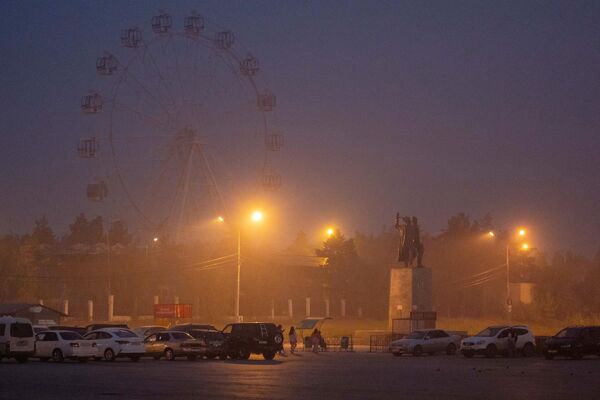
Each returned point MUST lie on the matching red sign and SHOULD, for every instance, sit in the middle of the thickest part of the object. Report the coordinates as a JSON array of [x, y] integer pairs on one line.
[[172, 311]]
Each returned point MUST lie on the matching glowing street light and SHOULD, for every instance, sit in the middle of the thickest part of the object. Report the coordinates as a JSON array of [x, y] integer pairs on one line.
[[220, 219], [330, 232], [257, 216], [155, 240], [521, 232]]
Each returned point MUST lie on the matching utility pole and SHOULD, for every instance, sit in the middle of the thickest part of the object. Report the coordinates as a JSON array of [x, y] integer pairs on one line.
[[239, 268], [508, 299]]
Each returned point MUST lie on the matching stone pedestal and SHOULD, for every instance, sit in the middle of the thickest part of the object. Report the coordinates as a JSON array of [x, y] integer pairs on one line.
[[410, 290]]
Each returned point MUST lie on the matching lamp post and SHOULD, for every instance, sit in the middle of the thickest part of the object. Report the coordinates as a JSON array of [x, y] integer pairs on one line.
[[255, 217], [520, 233]]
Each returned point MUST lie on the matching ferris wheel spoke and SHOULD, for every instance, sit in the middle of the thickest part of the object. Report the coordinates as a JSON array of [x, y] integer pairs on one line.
[[153, 96], [161, 77], [140, 114]]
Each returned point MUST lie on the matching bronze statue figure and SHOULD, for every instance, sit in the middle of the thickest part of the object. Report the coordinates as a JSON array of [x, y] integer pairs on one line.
[[410, 245]]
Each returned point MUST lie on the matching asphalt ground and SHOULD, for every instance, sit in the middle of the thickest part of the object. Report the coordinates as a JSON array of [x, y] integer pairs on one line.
[[330, 375]]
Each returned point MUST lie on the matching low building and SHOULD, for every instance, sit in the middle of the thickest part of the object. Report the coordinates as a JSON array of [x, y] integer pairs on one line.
[[38, 314]]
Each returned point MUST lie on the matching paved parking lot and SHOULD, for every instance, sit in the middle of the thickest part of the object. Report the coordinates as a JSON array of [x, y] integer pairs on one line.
[[307, 376]]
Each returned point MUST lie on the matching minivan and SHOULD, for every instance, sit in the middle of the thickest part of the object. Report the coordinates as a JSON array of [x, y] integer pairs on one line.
[[16, 338]]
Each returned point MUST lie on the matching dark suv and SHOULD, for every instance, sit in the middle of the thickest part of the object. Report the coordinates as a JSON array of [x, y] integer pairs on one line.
[[244, 339], [574, 342]]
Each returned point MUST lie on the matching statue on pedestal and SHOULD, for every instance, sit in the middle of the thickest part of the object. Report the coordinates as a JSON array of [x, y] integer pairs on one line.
[[410, 246]]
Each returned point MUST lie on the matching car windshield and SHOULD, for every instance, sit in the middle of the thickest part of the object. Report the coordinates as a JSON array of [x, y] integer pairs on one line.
[[568, 333], [416, 335], [70, 336], [489, 332], [181, 335], [123, 333]]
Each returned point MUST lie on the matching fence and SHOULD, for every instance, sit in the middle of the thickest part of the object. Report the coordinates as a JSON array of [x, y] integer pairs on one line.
[[381, 343], [331, 343]]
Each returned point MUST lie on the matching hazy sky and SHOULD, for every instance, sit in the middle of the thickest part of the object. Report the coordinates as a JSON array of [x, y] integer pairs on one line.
[[427, 108]]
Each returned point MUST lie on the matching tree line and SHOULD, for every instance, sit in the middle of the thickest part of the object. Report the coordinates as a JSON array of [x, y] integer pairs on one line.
[[468, 270]]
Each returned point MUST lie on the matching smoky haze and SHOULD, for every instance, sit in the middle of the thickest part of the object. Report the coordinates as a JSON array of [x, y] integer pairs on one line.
[[426, 108]]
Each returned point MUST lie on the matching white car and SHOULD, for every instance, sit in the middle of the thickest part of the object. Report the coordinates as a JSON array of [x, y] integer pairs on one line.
[[426, 341], [16, 338], [111, 343], [58, 345], [494, 340]]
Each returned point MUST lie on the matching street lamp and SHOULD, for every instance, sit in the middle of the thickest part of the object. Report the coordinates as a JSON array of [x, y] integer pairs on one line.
[[255, 217], [521, 233], [330, 232]]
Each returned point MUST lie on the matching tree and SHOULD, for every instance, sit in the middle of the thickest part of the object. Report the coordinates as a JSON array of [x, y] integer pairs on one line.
[[300, 245], [118, 233], [83, 231], [42, 232], [342, 261]]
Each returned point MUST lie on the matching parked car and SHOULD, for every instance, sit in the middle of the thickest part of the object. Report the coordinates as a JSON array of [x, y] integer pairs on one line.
[[58, 345], [95, 327], [494, 340], [244, 339], [144, 331], [16, 338], [428, 341], [190, 327], [172, 344], [79, 329], [574, 342], [112, 343], [215, 342], [39, 328]]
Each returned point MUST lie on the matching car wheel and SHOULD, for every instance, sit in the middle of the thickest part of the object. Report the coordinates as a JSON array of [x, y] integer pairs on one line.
[[109, 355], [269, 355], [243, 353], [417, 351], [169, 355], [549, 356], [192, 357], [491, 351], [451, 349], [83, 359], [528, 350], [135, 358], [57, 356]]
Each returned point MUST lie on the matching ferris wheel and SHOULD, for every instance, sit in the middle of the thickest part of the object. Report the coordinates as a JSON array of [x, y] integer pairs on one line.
[[184, 120]]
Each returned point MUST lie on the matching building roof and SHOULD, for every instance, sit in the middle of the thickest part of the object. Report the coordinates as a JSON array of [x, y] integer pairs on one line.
[[12, 308]]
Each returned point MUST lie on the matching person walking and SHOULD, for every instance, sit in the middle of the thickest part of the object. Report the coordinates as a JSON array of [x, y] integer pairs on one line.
[[282, 331], [293, 340], [315, 339]]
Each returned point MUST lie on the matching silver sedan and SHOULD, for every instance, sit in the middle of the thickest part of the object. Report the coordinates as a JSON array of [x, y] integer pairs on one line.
[[428, 341], [171, 344]]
